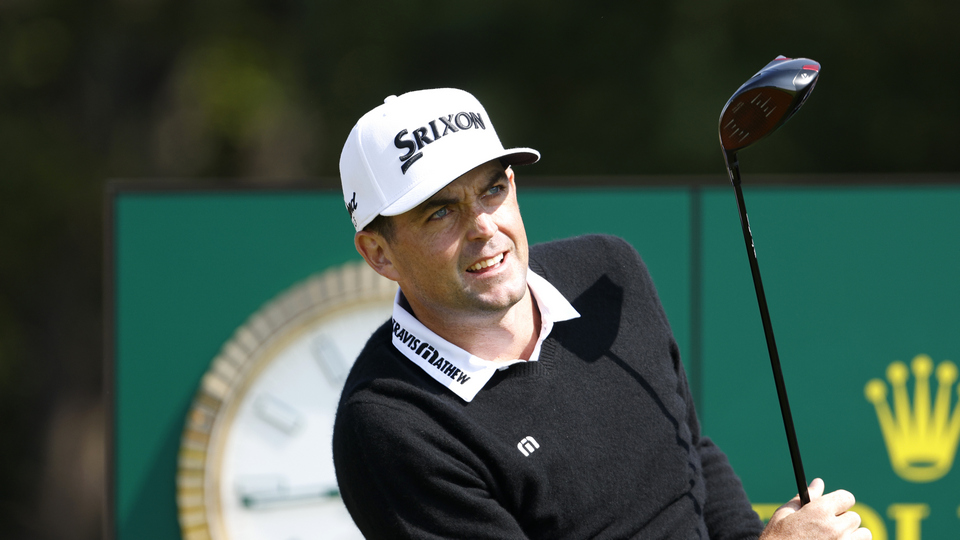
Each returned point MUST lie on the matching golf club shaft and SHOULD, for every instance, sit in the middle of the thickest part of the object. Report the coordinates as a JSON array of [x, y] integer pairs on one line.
[[733, 168]]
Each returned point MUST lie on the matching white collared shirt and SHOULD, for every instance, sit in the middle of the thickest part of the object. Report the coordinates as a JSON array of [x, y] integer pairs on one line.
[[463, 373]]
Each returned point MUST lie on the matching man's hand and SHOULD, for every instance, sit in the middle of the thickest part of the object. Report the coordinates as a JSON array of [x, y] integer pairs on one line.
[[825, 517]]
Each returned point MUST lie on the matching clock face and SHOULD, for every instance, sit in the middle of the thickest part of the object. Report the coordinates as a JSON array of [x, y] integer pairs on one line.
[[256, 457]]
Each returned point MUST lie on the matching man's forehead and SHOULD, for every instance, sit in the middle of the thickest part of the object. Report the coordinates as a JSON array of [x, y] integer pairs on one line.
[[481, 174]]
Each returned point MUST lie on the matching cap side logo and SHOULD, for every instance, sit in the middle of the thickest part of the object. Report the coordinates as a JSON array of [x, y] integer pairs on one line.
[[415, 140], [352, 207]]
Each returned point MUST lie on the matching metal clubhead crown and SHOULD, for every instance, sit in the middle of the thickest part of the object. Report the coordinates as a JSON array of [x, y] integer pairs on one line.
[[766, 101]]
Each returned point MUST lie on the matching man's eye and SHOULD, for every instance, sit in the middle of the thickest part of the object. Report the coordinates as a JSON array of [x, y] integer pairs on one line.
[[494, 190], [440, 213]]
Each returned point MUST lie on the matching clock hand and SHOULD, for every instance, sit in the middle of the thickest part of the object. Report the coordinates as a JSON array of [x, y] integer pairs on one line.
[[285, 495]]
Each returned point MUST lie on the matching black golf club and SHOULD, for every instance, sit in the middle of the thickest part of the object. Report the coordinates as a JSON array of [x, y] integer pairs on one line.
[[757, 109]]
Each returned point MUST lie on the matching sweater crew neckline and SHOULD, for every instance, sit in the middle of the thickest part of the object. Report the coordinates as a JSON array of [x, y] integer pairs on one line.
[[458, 370]]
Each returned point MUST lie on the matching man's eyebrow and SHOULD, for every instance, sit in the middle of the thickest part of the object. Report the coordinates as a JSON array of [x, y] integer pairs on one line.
[[496, 177], [438, 201]]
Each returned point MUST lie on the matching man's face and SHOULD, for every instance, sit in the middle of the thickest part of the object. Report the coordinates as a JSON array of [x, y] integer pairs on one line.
[[463, 251]]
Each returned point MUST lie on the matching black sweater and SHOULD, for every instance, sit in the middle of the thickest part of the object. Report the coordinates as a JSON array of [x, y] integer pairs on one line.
[[597, 439]]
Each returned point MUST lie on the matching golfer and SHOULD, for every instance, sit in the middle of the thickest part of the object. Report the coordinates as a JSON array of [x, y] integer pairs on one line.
[[518, 391]]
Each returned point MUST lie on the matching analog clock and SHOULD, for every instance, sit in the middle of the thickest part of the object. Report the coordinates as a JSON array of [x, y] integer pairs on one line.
[[255, 458]]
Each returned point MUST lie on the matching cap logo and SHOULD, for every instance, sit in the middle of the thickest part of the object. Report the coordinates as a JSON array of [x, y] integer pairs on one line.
[[415, 140], [351, 207]]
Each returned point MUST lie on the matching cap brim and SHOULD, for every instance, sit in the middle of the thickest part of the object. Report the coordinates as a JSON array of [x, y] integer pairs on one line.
[[424, 190], [521, 156]]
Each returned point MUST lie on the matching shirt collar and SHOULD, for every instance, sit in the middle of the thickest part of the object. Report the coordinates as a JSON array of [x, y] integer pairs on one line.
[[463, 373]]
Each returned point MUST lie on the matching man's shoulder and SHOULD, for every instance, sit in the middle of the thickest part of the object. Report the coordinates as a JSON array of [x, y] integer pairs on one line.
[[582, 243], [574, 264], [381, 373], [374, 360], [591, 252]]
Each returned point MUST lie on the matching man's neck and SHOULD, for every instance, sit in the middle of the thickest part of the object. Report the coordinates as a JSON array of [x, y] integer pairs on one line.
[[497, 336]]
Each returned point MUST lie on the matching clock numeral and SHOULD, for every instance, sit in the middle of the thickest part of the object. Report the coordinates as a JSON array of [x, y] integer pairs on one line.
[[278, 414], [332, 363]]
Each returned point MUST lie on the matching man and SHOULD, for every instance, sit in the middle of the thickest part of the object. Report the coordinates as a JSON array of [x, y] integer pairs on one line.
[[518, 392]]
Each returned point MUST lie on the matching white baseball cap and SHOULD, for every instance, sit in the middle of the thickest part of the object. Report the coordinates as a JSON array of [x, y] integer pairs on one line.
[[404, 151]]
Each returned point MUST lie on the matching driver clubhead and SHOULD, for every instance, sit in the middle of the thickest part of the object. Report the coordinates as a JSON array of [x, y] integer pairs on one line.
[[766, 101]]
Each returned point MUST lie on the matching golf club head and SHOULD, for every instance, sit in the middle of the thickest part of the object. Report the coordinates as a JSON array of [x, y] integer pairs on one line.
[[766, 101]]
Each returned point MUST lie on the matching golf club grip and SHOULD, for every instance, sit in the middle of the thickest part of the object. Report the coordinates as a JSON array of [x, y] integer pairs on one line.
[[771, 345]]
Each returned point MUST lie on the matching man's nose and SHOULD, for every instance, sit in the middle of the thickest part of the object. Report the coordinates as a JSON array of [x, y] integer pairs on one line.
[[484, 225]]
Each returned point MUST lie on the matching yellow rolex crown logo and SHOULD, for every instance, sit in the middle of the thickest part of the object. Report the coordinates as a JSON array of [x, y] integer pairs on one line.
[[921, 441]]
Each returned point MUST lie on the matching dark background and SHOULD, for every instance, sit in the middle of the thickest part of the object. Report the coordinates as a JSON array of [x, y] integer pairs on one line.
[[263, 92]]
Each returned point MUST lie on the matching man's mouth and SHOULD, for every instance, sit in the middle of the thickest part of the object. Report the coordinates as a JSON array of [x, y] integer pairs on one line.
[[486, 263]]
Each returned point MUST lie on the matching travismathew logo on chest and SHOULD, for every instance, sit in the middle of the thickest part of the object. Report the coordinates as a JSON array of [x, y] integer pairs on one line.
[[449, 365], [414, 141]]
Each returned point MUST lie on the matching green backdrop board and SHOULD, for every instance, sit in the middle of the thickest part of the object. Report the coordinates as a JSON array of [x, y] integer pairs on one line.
[[189, 268], [856, 278]]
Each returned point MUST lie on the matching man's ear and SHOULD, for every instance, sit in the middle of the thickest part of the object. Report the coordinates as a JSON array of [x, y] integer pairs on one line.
[[375, 250]]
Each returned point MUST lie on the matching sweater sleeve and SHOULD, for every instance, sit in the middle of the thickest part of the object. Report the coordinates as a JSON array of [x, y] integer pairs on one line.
[[403, 477], [727, 511]]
